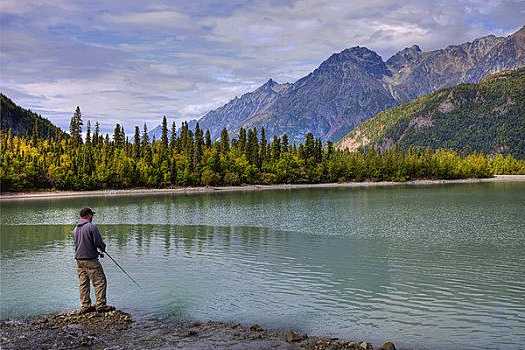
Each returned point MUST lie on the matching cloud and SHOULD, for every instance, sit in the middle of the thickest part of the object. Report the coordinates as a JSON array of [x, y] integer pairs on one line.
[[24, 6], [136, 61], [169, 19]]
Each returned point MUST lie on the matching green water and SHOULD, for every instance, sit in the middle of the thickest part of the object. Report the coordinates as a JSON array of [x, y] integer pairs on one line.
[[429, 267]]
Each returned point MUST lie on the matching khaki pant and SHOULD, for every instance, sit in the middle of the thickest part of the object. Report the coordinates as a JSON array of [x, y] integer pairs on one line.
[[91, 270]]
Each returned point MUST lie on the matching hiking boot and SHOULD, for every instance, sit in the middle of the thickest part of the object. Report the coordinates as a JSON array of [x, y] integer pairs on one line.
[[105, 308], [86, 309]]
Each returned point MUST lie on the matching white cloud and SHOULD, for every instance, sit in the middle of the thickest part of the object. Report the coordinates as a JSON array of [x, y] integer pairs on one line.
[[23, 6], [163, 18]]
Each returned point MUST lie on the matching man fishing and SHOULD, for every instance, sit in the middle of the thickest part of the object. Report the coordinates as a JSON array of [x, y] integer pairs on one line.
[[87, 241]]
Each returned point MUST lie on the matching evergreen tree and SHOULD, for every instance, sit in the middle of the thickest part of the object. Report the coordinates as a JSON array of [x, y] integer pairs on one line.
[[309, 147], [189, 149], [252, 147], [96, 134], [225, 141], [123, 135], [262, 148], [88, 132], [198, 147], [276, 148], [136, 143], [164, 137], [208, 139], [242, 140], [145, 137], [75, 128], [127, 146], [118, 136], [173, 136], [184, 137], [318, 150]]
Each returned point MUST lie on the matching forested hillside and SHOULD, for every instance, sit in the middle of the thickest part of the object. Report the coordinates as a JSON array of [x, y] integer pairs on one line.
[[488, 117], [24, 122]]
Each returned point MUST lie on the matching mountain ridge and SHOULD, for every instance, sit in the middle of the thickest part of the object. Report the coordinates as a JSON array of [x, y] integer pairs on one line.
[[488, 117], [356, 83], [23, 121]]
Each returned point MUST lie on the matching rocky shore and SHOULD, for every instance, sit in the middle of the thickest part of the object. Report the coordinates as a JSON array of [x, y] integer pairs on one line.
[[117, 330]]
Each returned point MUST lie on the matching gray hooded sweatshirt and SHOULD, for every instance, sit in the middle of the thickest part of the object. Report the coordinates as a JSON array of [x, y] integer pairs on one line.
[[87, 240]]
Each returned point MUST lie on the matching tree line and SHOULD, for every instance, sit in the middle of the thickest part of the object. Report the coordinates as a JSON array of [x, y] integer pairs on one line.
[[184, 157]]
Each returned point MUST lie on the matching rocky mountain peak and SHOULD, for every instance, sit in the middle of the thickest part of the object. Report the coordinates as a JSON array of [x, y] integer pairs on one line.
[[270, 82], [272, 86], [358, 56], [404, 57], [356, 53]]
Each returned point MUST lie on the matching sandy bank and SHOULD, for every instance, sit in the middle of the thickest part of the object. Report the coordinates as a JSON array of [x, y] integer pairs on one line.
[[212, 189]]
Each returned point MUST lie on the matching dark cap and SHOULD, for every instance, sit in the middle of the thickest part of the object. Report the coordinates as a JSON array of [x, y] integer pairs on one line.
[[86, 211]]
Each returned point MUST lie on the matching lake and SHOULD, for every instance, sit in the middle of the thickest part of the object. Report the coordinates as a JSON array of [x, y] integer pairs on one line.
[[438, 266]]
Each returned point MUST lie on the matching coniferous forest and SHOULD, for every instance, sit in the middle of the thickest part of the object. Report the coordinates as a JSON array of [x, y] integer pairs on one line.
[[184, 157]]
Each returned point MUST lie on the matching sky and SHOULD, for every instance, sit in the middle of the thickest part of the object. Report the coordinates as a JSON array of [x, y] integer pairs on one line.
[[131, 62]]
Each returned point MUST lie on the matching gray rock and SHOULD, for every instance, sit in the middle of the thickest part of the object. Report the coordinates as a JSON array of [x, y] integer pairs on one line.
[[294, 337], [388, 346], [256, 328], [365, 346]]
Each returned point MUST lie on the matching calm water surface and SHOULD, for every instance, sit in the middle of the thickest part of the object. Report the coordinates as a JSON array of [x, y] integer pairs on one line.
[[429, 267]]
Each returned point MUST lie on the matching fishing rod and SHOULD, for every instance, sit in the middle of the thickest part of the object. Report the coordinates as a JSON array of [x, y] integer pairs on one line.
[[127, 274]]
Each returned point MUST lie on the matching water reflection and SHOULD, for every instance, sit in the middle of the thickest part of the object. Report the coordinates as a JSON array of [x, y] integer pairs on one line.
[[333, 285], [437, 268]]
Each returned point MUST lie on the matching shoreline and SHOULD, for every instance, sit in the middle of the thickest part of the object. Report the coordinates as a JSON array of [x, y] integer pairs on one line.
[[242, 188], [117, 329]]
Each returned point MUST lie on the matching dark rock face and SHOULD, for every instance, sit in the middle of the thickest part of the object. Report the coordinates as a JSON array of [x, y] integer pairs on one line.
[[356, 83], [404, 58]]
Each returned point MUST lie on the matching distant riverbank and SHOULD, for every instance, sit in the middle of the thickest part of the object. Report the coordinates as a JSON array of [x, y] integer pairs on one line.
[[212, 189]]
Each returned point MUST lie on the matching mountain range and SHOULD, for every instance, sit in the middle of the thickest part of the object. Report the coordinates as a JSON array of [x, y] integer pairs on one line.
[[354, 84], [486, 117]]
